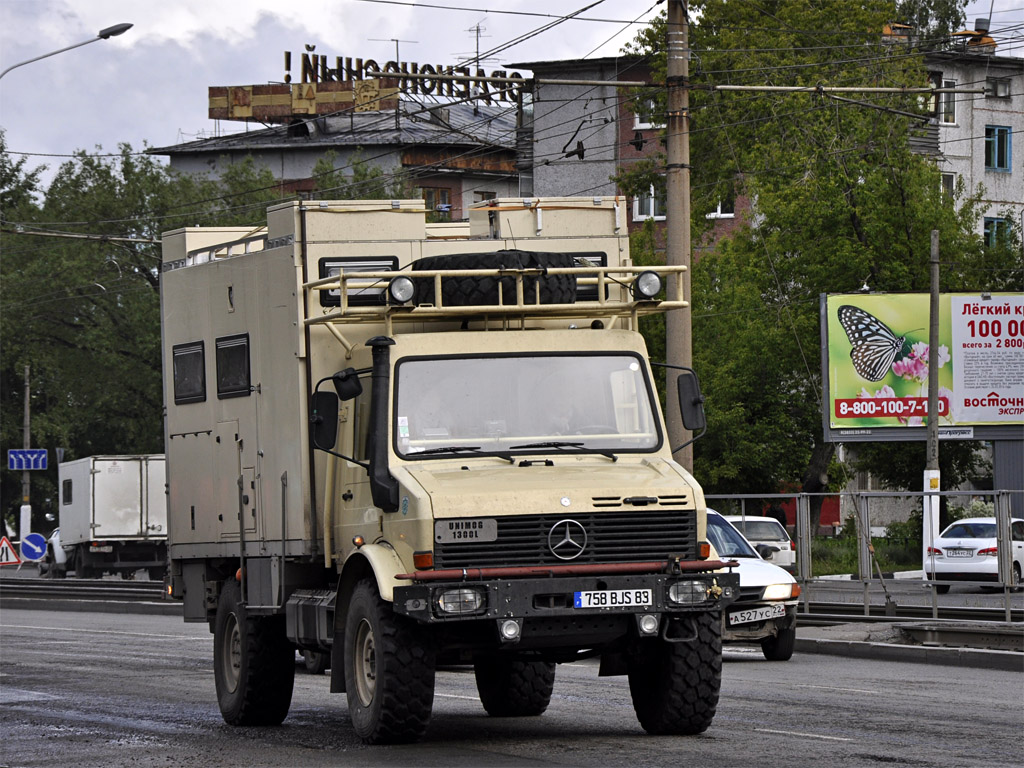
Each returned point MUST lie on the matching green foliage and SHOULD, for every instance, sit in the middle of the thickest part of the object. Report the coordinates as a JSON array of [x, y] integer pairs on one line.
[[82, 312], [840, 201], [363, 182]]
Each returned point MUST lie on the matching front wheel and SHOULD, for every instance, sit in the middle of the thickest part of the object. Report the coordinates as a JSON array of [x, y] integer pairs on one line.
[[779, 647], [389, 670], [510, 688], [675, 682], [253, 663]]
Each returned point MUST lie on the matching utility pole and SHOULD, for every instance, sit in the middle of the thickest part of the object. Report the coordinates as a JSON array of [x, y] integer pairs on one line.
[[678, 341], [25, 521], [931, 471]]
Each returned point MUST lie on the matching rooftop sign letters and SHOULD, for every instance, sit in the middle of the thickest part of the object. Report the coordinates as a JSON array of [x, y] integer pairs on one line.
[[317, 68]]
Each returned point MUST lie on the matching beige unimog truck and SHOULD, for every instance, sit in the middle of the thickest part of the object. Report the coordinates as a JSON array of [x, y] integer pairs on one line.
[[393, 445]]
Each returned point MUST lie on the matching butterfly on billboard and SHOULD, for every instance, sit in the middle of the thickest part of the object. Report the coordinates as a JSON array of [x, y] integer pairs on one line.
[[875, 346]]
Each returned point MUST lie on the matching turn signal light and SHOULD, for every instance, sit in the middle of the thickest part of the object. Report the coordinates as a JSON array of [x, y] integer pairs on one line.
[[935, 551], [704, 550], [990, 551], [423, 560]]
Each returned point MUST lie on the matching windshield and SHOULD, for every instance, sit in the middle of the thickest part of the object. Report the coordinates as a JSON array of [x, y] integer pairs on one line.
[[542, 403], [726, 540], [761, 530]]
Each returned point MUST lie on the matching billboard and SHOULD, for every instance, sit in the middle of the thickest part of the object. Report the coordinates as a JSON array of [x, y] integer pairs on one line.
[[875, 366]]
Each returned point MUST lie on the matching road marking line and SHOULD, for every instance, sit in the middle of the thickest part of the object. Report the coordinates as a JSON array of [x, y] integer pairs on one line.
[[455, 696], [805, 735]]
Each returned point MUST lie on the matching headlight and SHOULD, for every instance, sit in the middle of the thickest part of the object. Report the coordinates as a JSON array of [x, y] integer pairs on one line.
[[460, 601], [688, 592], [646, 285], [780, 592], [401, 290]]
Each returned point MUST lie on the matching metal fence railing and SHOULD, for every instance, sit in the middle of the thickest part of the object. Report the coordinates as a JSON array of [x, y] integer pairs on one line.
[[876, 561]]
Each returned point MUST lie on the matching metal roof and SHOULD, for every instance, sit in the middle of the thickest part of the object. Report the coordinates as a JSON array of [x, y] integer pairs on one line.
[[418, 124]]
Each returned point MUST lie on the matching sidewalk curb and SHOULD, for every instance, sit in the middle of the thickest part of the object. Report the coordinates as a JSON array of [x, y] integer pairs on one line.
[[1009, 661]]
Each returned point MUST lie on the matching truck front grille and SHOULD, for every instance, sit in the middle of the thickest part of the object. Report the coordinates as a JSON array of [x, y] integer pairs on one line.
[[614, 537]]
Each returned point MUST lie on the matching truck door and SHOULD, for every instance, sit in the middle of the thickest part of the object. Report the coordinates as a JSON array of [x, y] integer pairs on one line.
[[117, 498]]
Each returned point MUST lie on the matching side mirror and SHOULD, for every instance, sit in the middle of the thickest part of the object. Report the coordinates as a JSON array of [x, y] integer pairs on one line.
[[347, 384], [691, 401], [323, 420], [766, 550]]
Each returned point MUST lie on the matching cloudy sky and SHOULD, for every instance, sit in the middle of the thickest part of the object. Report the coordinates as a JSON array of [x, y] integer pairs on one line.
[[149, 86]]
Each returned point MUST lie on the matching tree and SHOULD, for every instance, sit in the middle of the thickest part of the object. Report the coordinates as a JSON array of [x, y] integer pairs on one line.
[[840, 200], [82, 310]]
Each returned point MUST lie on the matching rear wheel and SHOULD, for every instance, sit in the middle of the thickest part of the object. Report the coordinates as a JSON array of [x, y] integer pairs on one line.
[[675, 685], [316, 662], [510, 688], [389, 670], [780, 646], [1017, 581], [253, 663]]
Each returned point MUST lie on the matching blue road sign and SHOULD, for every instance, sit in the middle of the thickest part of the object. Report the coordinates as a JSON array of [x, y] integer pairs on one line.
[[33, 546], [26, 458]]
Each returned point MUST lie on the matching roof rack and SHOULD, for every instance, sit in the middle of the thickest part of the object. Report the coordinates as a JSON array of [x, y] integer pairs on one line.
[[613, 291]]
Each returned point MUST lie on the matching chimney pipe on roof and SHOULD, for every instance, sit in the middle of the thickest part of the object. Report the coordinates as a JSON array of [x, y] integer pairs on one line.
[[981, 25]]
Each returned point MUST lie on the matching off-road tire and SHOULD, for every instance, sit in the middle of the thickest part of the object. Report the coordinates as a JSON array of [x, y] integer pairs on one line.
[[510, 688], [253, 663], [389, 670], [779, 647], [675, 685], [475, 291]]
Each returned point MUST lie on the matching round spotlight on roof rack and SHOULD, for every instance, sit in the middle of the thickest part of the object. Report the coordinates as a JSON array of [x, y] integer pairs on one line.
[[646, 286], [401, 290]]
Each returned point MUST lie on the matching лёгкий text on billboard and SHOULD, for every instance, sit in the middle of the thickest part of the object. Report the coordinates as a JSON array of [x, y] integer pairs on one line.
[[875, 365]]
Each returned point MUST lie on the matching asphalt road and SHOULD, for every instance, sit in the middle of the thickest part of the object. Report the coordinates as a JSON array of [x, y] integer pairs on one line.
[[83, 689]]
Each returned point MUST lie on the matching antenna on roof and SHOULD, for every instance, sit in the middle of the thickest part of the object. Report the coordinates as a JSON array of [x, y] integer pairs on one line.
[[398, 66]]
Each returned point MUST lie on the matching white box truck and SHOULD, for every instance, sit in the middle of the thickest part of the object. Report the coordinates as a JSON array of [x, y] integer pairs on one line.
[[113, 516], [398, 445]]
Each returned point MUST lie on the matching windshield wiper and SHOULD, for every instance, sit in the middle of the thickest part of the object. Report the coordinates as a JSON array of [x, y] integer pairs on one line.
[[459, 449], [562, 445]]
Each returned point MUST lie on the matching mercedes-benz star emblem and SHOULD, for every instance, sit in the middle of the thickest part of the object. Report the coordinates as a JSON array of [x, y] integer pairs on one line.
[[567, 539]]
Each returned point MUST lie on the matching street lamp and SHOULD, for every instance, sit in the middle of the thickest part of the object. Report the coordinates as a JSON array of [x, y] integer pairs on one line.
[[103, 34]]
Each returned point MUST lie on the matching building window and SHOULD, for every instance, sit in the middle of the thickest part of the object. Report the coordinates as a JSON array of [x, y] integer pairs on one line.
[[947, 103], [997, 148], [189, 364], [483, 197], [997, 88], [948, 184], [726, 209], [438, 201], [646, 115], [997, 231], [233, 366], [649, 205]]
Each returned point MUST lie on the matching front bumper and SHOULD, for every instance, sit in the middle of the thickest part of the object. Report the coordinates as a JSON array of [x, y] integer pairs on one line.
[[758, 630], [527, 598]]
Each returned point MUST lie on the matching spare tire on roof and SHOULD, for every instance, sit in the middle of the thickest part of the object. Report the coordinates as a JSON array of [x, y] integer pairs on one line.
[[470, 290]]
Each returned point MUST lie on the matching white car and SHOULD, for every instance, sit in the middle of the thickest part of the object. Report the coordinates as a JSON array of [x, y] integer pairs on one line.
[[769, 537], [765, 612], [966, 551]]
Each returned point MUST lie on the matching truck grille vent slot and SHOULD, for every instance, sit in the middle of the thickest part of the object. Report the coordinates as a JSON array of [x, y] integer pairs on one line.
[[640, 534]]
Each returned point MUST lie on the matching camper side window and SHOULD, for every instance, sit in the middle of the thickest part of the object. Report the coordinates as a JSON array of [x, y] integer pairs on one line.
[[189, 362], [233, 366], [66, 492]]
